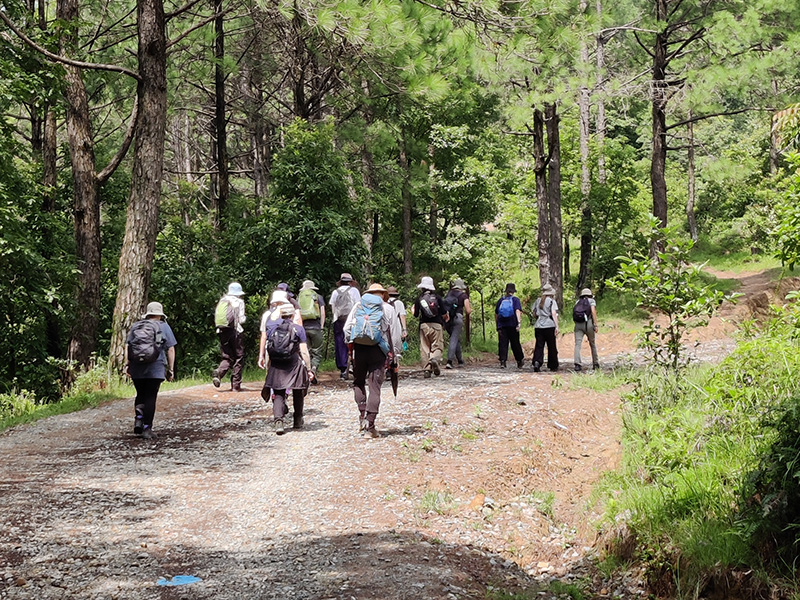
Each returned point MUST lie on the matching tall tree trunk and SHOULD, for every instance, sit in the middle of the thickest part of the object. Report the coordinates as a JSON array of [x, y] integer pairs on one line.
[[554, 197], [584, 118], [690, 197], [49, 148], [774, 150], [220, 121], [600, 128], [659, 91], [406, 198], [372, 222], [141, 226], [543, 206], [86, 216]]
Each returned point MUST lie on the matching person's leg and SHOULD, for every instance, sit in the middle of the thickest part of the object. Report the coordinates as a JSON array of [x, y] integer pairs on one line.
[[279, 407], [360, 364], [502, 345], [437, 346], [454, 347], [425, 343], [516, 347], [590, 335], [237, 345], [340, 345], [376, 377], [146, 394], [225, 348], [298, 399], [315, 342], [580, 330], [538, 349], [552, 349]]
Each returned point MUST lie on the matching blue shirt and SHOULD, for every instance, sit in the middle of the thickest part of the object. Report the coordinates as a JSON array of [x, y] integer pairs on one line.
[[157, 369], [508, 321]]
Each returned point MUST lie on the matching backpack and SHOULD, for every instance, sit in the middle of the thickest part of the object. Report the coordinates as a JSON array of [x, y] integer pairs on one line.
[[506, 308], [451, 302], [343, 303], [225, 315], [582, 311], [429, 305], [309, 307], [366, 328], [282, 342], [145, 342]]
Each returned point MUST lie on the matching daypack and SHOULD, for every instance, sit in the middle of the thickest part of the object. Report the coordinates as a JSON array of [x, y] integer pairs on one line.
[[309, 307], [429, 305], [225, 315], [344, 302], [506, 308], [451, 302], [582, 311], [366, 328], [145, 342], [282, 342]]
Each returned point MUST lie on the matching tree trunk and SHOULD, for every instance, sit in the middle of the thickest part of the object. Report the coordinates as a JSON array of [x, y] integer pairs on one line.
[[406, 196], [774, 149], [690, 198], [584, 116], [554, 197], [543, 206], [659, 91], [600, 133], [141, 226], [220, 121], [49, 149], [86, 217]]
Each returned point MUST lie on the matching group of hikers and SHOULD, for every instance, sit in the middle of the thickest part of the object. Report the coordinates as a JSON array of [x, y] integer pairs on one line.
[[369, 332]]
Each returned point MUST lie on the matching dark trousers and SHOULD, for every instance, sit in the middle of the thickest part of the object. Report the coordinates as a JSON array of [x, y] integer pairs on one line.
[[369, 368], [279, 408], [231, 346], [506, 335], [145, 402], [340, 344], [315, 339], [454, 348], [546, 335]]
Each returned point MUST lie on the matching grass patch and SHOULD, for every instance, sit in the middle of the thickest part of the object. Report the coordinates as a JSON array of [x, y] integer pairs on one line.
[[435, 502], [543, 501]]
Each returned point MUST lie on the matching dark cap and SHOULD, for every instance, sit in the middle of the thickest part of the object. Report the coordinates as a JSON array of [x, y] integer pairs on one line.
[[511, 288]]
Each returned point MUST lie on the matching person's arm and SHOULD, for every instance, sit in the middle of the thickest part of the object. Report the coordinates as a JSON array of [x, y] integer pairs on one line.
[[305, 355], [321, 314], [242, 315], [171, 363], [594, 316], [467, 307], [389, 328], [261, 350], [443, 310], [348, 324], [554, 314], [404, 332], [127, 364], [518, 314], [414, 309]]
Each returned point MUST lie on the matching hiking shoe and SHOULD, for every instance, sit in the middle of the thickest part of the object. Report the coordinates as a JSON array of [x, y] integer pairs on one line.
[[537, 367], [279, 427], [138, 425], [148, 434], [298, 423], [343, 375], [449, 365], [520, 364], [426, 374], [461, 363], [215, 378], [435, 366], [236, 388], [371, 432], [596, 367], [502, 364], [578, 367], [363, 424]]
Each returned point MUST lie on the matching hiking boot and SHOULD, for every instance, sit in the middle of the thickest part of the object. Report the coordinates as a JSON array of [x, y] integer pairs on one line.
[[596, 367], [215, 378], [536, 367], [148, 434], [371, 432], [449, 365], [426, 374], [578, 367], [236, 388], [363, 424], [435, 366], [279, 427], [502, 364], [343, 375], [461, 363], [520, 364], [138, 425], [298, 422]]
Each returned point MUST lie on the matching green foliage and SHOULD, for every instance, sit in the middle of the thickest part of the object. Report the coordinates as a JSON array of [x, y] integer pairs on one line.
[[673, 287], [788, 230]]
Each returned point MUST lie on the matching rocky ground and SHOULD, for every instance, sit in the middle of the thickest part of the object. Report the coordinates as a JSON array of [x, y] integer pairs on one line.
[[481, 487]]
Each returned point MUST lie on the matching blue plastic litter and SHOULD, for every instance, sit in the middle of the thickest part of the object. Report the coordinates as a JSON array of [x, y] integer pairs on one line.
[[178, 580]]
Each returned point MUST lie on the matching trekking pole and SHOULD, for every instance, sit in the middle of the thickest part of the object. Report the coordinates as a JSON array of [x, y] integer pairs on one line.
[[483, 316]]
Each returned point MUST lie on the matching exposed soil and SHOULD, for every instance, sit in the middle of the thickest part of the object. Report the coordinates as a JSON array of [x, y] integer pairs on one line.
[[482, 481]]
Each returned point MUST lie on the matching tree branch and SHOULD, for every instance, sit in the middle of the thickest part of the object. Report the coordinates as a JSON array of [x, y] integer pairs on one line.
[[103, 175], [63, 59], [645, 48], [718, 114]]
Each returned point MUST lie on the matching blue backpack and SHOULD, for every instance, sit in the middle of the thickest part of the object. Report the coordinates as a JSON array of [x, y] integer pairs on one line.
[[366, 329], [506, 308]]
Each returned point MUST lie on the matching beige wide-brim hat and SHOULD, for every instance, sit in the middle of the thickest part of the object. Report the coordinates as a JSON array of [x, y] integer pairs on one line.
[[426, 283], [279, 297], [586, 292], [392, 291], [286, 310], [308, 285], [548, 290], [154, 309]]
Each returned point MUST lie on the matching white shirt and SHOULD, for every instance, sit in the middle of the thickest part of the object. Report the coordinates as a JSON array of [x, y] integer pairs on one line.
[[238, 305]]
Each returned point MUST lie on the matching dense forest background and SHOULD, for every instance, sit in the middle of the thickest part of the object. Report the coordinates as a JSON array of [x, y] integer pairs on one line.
[[158, 152]]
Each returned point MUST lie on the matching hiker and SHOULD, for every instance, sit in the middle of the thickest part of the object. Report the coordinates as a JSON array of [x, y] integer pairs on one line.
[[584, 314], [149, 360], [432, 314], [343, 299], [508, 319], [278, 298], [284, 353], [312, 312], [284, 287], [546, 329], [370, 328], [228, 318], [400, 330], [458, 306]]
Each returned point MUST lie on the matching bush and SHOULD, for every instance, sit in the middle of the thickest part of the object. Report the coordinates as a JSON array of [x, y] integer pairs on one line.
[[16, 404]]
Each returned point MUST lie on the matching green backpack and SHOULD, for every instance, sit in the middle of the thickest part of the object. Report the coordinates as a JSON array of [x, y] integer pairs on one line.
[[309, 308], [225, 314]]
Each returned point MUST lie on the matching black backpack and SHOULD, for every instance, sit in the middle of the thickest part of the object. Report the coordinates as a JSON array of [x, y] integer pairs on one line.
[[582, 311], [282, 341], [429, 305], [451, 302], [145, 342]]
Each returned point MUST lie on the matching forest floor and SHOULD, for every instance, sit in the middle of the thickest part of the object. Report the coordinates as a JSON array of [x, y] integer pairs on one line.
[[480, 487]]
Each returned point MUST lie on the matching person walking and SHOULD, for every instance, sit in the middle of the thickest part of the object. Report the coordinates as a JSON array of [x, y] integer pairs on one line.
[[370, 328], [458, 307], [400, 329], [228, 318], [284, 353], [149, 360], [546, 329], [432, 314], [312, 311], [343, 299], [584, 314], [508, 319]]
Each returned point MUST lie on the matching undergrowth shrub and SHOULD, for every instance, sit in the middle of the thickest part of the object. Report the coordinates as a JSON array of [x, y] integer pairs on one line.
[[15, 404]]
